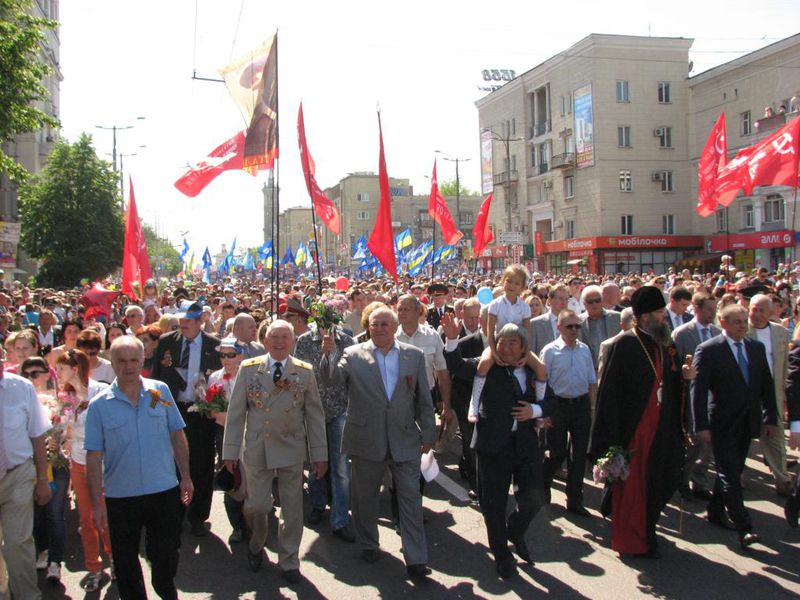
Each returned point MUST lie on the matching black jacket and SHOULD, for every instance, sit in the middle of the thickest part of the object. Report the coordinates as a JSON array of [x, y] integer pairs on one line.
[[167, 355]]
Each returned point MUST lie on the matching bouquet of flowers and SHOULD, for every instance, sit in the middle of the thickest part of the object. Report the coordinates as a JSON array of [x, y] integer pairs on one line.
[[326, 313], [212, 402], [612, 466], [62, 409]]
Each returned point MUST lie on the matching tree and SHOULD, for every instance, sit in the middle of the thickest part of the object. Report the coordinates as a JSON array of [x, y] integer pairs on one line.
[[21, 74], [162, 254], [70, 216], [448, 189]]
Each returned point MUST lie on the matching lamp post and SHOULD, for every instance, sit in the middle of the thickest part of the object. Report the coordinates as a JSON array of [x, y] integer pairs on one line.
[[458, 184], [114, 129], [122, 175]]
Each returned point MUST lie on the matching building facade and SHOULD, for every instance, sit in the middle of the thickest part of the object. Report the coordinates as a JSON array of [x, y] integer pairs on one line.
[[594, 154], [30, 150]]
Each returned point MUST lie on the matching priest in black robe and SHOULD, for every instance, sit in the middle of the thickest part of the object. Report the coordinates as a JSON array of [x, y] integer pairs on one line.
[[639, 408]]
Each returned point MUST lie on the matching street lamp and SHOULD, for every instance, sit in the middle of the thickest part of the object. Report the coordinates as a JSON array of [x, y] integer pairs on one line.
[[505, 141], [121, 172], [458, 186], [114, 129]]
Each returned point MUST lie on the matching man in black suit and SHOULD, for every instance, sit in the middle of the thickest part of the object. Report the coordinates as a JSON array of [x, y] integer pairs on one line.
[[792, 508], [507, 447], [735, 370], [183, 359], [459, 347], [438, 293], [677, 314]]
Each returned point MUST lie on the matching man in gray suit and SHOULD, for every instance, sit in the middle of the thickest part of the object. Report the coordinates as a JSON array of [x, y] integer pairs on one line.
[[390, 423], [245, 331], [597, 323], [696, 480], [543, 327]]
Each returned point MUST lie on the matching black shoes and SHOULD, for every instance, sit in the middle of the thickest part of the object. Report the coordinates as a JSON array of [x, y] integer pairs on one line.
[[578, 509], [370, 556], [292, 576], [507, 567], [747, 539], [418, 572], [315, 516], [254, 560], [792, 508], [344, 535], [721, 520], [521, 549]]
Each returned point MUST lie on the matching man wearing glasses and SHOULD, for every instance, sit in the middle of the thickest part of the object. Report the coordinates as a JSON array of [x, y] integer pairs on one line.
[[597, 323], [572, 375]]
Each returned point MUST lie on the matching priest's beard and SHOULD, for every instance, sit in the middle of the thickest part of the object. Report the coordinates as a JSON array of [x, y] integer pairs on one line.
[[660, 332]]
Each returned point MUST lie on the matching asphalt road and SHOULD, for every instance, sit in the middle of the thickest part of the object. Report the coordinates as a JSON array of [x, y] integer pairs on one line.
[[572, 556]]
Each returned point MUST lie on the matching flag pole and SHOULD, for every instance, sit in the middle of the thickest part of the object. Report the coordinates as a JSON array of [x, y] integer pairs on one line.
[[277, 181], [316, 243], [433, 256]]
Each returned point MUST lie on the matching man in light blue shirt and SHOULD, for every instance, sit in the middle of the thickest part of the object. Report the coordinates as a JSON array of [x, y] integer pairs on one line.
[[134, 431], [573, 379]]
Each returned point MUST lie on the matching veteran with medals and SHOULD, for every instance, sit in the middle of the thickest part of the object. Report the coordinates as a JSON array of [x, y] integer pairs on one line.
[[275, 423]]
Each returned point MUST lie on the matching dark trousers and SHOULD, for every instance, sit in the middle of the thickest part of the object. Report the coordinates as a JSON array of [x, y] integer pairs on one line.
[[572, 416], [466, 463], [200, 432], [496, 472], [159, 516], [730, 452]]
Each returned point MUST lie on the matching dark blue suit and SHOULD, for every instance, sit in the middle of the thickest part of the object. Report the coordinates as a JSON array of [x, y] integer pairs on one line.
[[733, 414]]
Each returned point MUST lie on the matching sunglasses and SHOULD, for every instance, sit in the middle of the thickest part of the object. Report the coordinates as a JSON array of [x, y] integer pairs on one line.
[[33, 374], [572, 326], [228, 354]]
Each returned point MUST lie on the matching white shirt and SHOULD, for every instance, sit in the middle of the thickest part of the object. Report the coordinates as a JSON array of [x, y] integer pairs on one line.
[[765, 337], [477, 390], [554, 324], [427, 340], [190, 375], [389, 366], [48, 339], [677, 320], [78, 425], [24, 418], [506, 312], [575, 305], [103, 372], [731, 345]]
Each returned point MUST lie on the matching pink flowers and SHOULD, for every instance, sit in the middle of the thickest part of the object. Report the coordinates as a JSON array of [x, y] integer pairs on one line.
[[612, 466]]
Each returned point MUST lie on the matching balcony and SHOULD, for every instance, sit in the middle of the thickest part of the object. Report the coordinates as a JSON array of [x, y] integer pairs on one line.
[[563, 161], [541, 128], [774, 122], [505, 177]]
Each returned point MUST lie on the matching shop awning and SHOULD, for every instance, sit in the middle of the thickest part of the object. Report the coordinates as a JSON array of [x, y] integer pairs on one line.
[[575, 261]]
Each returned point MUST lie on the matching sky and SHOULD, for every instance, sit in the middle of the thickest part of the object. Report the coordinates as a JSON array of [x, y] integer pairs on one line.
[[421, 62]]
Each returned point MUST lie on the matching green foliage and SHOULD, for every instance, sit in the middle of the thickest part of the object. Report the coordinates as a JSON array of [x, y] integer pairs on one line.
[[70, 216], [22, 74], [448, 189], [161, 252]]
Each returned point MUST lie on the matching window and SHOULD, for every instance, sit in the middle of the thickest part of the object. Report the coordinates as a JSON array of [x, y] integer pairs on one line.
[[666, 181], [625, 182], [569, 143], [722, 220], [773, 209], [748, 217], [569, 186], [533, 156], [544, 157], [664, 137], [745, 123], [626, 225], [622, 91], [664, 96], [467, 217], [513, 127], [563, 105], [569, 229], [362, 215], [514, 162], [624, 136], [569, 103], [363, 197], [668, 224]]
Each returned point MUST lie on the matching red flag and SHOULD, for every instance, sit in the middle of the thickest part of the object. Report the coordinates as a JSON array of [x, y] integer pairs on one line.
[[772, 162], [135, 262], [381, 240], [325, 209], [481, 232], [99, 300], [437, 209], [713, 158], [226, 157]]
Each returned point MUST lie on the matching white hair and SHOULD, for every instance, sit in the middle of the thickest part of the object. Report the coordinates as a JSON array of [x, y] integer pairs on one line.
[[125, 341], [591, 289], [280, 324]]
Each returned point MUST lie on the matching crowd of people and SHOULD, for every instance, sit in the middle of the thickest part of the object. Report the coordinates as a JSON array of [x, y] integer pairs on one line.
[[652, 384]]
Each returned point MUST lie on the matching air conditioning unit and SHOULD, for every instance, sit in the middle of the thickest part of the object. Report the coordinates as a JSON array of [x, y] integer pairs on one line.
[[658, 131], [657, 175], [548, 183]]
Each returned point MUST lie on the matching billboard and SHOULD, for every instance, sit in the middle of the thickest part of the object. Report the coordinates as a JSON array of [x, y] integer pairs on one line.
[[487, 175], [584, 126], [9, 238]]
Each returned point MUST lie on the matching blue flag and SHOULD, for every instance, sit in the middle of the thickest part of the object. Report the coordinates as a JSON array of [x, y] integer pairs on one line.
[[266, 250], [249, 264], [288, 257], [185, 250], [403, 240]]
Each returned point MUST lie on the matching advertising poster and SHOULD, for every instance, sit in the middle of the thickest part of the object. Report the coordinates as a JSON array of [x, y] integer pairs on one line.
[[584, 126], [487, 176]]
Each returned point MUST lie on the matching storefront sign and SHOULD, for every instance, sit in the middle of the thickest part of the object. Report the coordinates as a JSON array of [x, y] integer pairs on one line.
[[623, 241], [761, 239], [495, 252]]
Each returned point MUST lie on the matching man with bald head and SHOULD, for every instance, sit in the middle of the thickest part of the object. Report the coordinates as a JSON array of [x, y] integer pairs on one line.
[[776, 342], [390, 423], [245, 331]]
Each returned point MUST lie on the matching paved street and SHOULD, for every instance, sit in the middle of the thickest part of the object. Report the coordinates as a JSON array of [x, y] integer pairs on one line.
[[572, 555]]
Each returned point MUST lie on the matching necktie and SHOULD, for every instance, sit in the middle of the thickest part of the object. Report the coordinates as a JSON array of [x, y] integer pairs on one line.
[[742, 362], [517, 386], [678, 321], [703, 333], [184, 361], [276, 374]]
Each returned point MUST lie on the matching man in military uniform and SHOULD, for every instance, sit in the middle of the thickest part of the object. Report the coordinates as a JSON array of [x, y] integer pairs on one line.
[[438, 293], [275, 407]]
